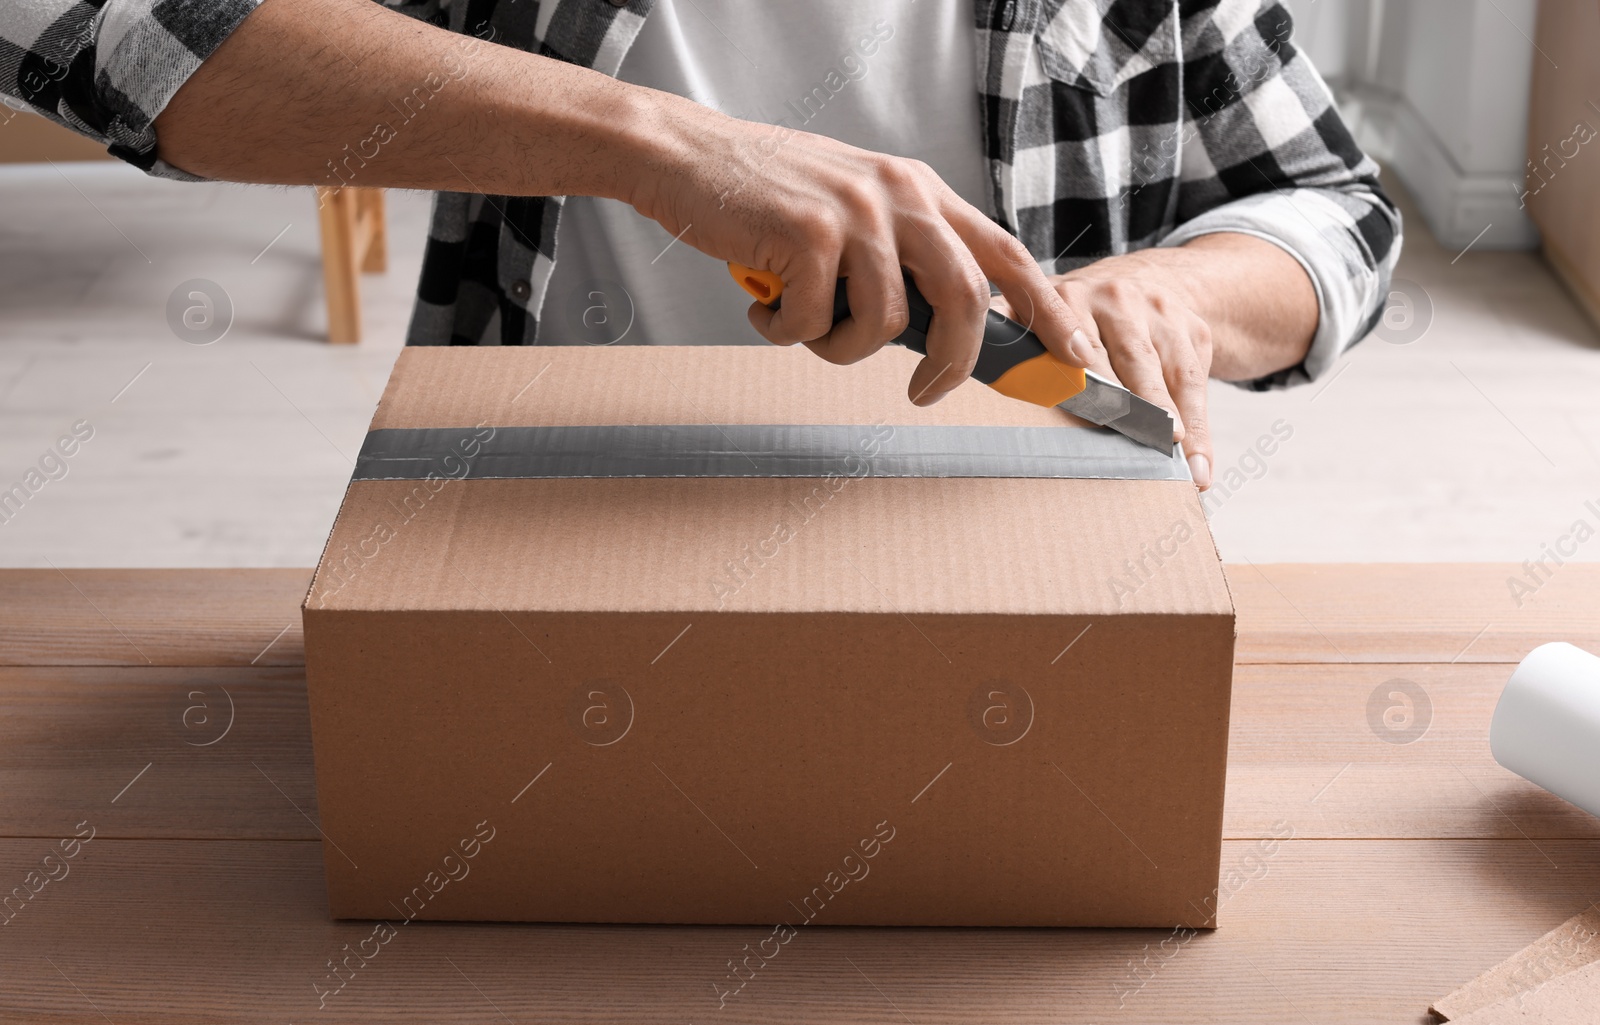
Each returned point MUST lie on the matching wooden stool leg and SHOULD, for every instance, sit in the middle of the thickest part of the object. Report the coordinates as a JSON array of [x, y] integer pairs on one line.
[[336, 210], [375, 257]]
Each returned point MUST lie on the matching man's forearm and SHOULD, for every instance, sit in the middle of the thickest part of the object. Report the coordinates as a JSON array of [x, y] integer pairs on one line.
[[1255, 297], [331, 91], [305, 90]]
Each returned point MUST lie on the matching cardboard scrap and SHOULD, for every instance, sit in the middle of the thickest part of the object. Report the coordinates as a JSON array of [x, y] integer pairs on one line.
[[1571, 999], [1541, 979]]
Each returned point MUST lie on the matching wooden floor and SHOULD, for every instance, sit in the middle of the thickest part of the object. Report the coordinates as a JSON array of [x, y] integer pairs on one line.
[[165, 711]]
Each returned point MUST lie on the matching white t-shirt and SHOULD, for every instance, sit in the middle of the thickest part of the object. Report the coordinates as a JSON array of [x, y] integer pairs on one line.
[[895, 77]]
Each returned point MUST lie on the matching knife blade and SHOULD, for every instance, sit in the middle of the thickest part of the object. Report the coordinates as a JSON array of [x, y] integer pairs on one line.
[[1012, 361]]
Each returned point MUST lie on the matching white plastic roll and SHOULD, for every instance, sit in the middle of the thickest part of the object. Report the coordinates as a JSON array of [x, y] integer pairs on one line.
[[1546, 727]]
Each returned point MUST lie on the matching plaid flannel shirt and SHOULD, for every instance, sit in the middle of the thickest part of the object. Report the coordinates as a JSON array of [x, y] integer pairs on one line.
[[1108, 126]]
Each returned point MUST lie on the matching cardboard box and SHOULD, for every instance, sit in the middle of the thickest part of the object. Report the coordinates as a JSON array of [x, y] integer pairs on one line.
[[779, 700], [1562, 186]]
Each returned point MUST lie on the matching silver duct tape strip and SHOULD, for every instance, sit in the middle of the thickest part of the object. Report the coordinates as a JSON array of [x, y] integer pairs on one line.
[[759, 450]]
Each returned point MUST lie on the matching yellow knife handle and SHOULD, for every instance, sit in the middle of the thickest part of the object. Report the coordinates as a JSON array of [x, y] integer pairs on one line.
[[763, 285], [1013, 361]]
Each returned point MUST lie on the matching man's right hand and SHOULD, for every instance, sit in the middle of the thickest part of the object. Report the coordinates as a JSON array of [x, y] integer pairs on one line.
[[813, 210]]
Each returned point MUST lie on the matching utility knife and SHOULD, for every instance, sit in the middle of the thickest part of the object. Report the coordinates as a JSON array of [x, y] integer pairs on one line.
[[1013, 361]]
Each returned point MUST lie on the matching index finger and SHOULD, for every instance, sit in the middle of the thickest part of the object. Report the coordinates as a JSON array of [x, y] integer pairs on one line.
[[1033, 299]]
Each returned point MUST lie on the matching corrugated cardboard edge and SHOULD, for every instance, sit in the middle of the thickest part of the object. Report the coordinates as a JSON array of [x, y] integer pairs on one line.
[[344, 499], [1215, 919], [1569, 999], [322, 558], [311, 588], [1227, 588], [1568, 949]]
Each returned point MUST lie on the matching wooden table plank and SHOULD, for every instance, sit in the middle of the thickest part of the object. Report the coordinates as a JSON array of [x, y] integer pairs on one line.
[[1325, 931], [1287, 614], [1410, 612], [172, 617], [217, 752], [1310, 745], [1303, 750]]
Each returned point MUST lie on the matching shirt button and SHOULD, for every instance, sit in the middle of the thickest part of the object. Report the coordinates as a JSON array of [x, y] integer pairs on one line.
[[1008, 15], [618, 3], [521, 289]]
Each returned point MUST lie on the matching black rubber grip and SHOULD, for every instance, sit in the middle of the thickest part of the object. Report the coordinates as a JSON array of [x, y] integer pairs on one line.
[[1005, 342]]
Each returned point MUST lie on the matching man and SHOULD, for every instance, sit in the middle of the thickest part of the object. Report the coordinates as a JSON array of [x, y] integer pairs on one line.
[[1162, 189]]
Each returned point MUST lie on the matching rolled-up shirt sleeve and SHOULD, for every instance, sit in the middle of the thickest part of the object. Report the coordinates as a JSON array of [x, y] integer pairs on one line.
[[1266, 153], [106, 71]]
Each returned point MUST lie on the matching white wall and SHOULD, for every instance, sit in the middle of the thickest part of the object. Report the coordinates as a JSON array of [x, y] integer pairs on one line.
[[1321, 31], [1467, 73], [1437, 89]]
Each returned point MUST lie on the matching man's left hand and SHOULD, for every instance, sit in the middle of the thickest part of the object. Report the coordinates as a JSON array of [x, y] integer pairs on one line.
[[1146, 335], [1162, 320]]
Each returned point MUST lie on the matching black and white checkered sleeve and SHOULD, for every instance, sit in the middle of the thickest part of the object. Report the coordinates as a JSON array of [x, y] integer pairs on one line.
[[1267, 154], [106, 68]]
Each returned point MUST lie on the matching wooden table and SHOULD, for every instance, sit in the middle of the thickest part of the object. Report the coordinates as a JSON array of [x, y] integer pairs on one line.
[[1412, 866]]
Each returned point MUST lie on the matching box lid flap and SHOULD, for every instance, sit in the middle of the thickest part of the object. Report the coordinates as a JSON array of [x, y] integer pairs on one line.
[[848, 544]]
